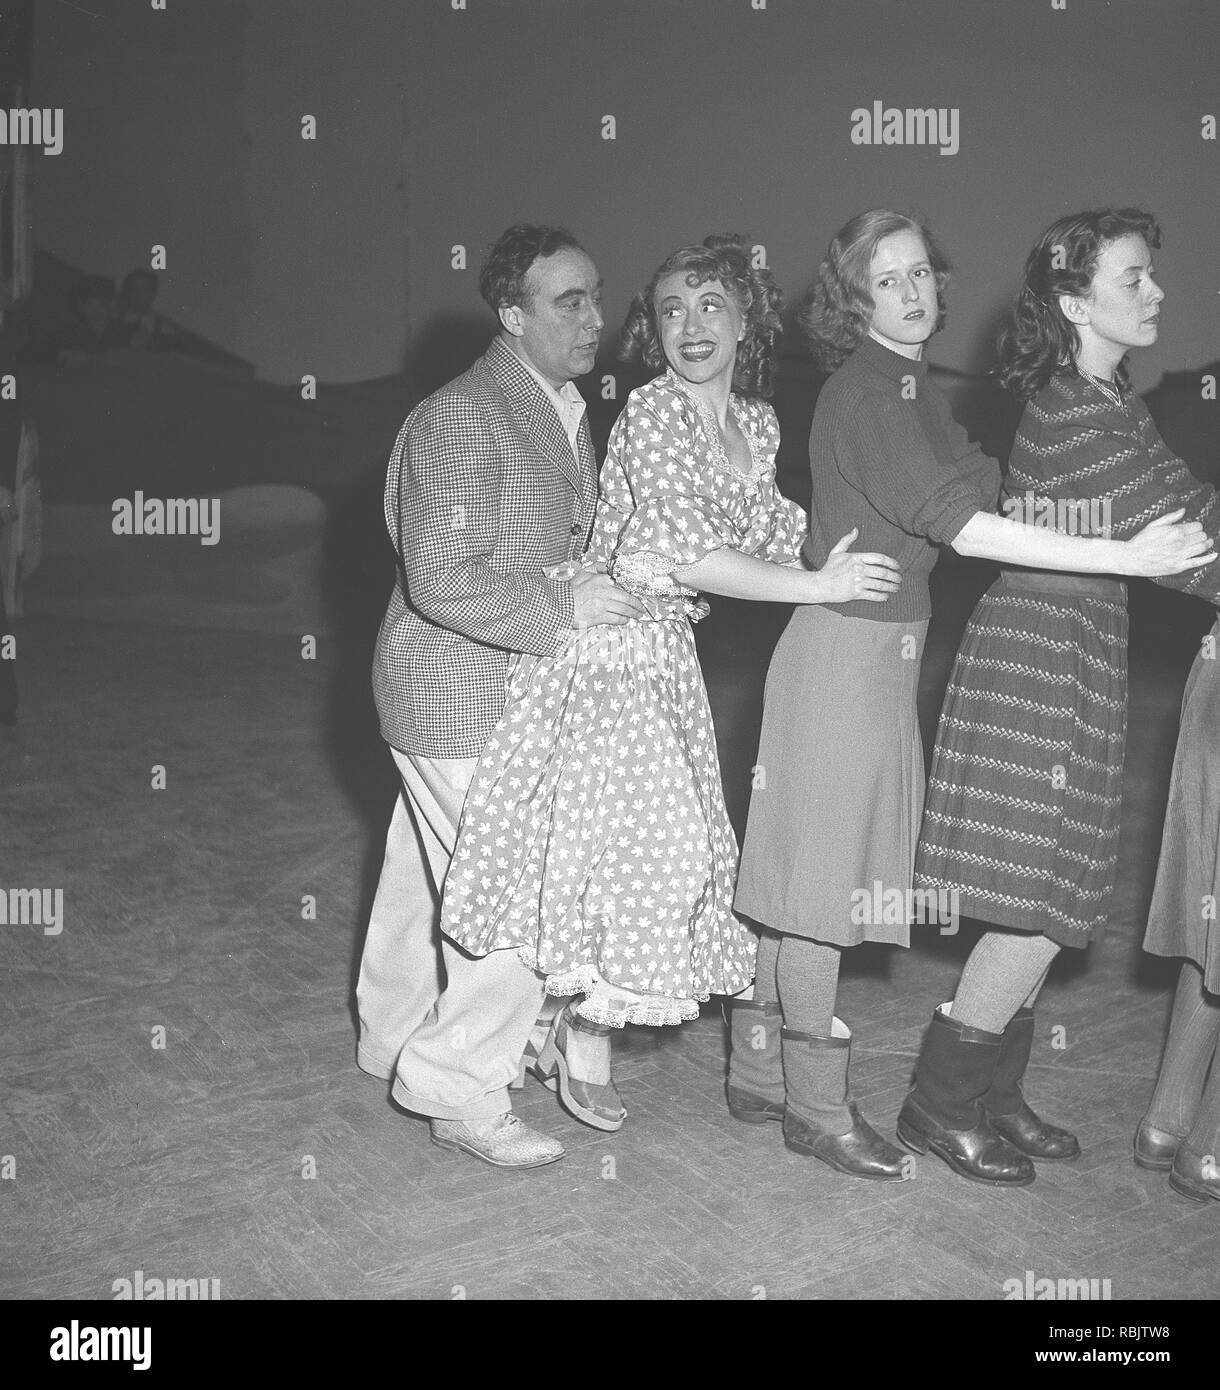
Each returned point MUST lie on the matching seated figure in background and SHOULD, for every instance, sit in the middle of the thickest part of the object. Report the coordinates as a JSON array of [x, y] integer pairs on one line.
[[135, 323]]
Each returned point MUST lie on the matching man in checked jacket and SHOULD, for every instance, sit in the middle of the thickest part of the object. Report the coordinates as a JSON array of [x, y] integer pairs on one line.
[[492, 483]]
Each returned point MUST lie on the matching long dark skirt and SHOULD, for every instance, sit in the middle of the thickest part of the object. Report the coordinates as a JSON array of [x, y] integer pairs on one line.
[[834, 814]]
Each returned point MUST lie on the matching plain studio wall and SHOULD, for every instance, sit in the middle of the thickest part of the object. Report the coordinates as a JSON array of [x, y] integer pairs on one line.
[[437, 126]]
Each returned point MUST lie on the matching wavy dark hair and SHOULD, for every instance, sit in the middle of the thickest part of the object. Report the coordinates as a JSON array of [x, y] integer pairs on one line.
[[838, 309], [502, 275], [1039, 341], [725, 257]]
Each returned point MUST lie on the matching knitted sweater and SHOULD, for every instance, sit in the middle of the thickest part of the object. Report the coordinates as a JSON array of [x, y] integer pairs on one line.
[[887, 456], [1075, 443]]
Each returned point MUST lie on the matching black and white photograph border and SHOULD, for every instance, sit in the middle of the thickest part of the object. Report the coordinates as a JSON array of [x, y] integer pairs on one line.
[[571, 571]]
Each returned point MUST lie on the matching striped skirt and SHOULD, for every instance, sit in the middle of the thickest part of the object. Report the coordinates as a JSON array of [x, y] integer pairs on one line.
[[1022, 812]]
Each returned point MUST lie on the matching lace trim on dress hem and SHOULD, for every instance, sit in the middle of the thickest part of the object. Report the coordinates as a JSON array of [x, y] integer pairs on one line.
[[650, 1010], [675, 1012]]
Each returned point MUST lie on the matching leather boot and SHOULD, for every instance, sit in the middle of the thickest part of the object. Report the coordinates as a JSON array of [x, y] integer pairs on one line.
[[1006, 1106], [756, 1074], [944, 1111], [822, 1121]]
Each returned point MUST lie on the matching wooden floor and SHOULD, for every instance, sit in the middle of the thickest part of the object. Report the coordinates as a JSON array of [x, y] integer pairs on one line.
[[249, 1149]]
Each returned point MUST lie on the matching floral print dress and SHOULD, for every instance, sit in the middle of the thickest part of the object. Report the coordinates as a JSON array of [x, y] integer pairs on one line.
[[595, 839]]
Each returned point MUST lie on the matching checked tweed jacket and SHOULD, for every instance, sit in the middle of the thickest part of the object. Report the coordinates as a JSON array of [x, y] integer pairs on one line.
[[483, 495]]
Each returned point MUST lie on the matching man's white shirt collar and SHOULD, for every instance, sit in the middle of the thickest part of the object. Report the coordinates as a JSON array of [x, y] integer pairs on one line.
[[568, 402]]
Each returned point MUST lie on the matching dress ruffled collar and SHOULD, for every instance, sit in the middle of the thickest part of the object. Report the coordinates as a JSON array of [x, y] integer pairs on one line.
[[759, 463]]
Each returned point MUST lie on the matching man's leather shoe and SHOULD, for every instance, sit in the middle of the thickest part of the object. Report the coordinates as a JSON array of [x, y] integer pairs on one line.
[[503, 1141]]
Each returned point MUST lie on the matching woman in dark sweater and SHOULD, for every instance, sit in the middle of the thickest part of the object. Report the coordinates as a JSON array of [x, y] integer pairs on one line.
[[834, 818]]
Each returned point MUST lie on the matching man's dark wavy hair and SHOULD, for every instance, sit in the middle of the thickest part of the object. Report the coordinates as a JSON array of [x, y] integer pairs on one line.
[[502, 275], [1039, 341], [837, 311], [725, 257]]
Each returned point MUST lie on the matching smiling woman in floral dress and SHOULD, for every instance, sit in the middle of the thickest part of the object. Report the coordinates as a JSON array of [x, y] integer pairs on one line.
[[595, 838]]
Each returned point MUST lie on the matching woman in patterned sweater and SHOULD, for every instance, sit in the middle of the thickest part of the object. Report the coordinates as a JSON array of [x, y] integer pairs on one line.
[[1021, 818]]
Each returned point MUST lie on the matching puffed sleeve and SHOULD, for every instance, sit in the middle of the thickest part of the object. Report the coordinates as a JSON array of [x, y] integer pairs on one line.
[[614, 501], [658, 447], [787, 533]]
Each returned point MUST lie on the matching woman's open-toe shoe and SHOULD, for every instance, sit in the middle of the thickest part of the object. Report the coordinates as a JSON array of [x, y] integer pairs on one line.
[[530, 1063], [596, 1103]]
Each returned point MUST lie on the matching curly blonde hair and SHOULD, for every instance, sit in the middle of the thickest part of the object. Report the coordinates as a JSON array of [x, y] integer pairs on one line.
[[724, 257]]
